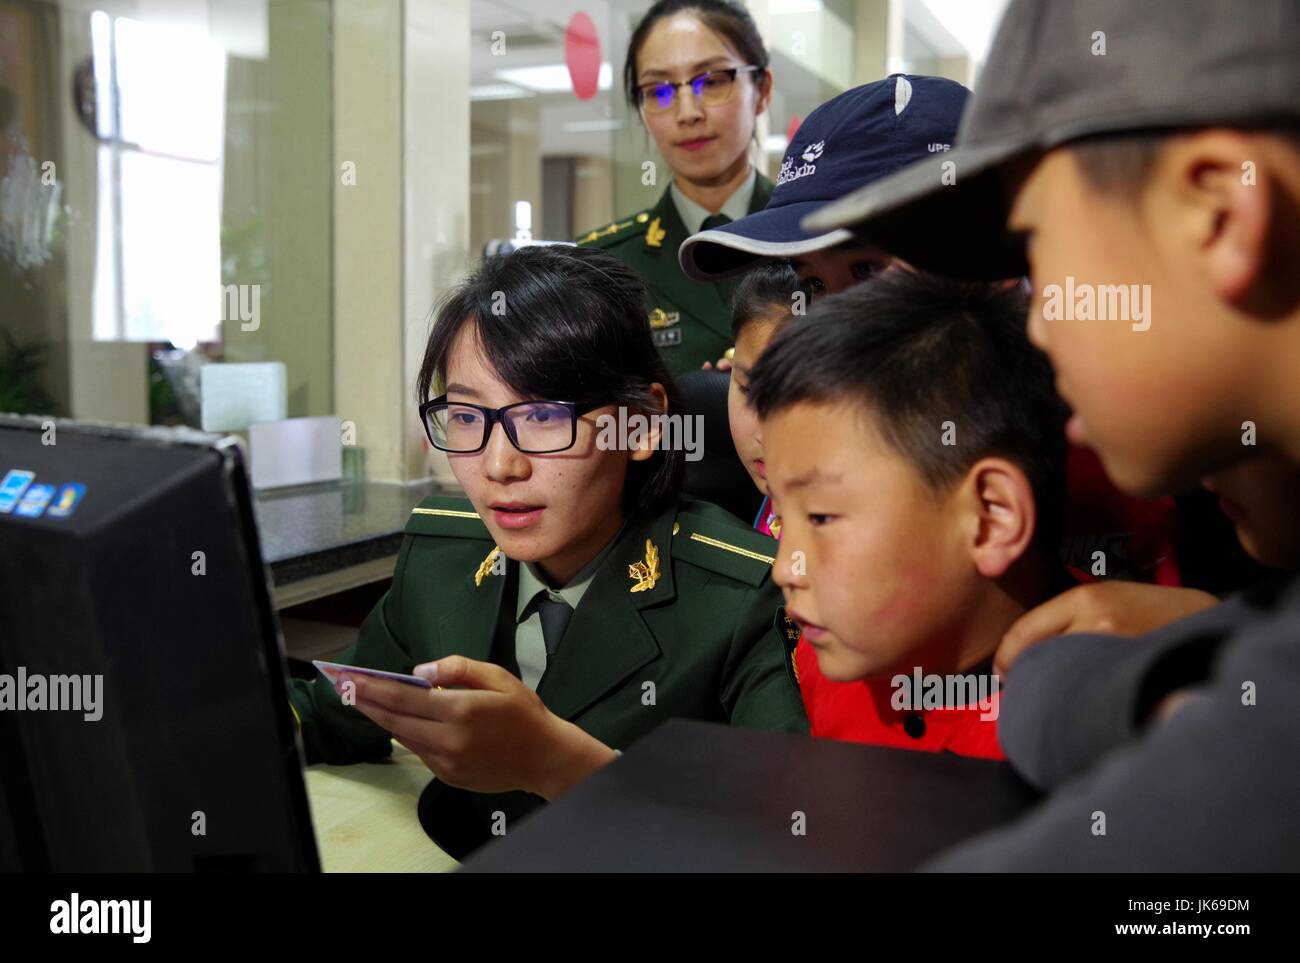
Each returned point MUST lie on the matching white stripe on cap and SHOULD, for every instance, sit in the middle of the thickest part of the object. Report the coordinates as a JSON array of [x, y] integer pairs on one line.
[[902, 95]]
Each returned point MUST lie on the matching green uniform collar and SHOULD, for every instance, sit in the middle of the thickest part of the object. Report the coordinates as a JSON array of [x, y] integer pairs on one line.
[[606, 640], [532, 581]]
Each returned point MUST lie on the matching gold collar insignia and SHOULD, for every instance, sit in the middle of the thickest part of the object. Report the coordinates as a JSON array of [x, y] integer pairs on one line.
[[654, 234], [646, 573], [488, 566]]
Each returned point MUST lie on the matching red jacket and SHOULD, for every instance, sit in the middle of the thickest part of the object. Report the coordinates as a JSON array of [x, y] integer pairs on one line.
[[862, 712]]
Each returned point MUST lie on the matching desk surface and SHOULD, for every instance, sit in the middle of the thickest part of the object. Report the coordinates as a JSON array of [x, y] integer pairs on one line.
[[694, 796], [365, 817]]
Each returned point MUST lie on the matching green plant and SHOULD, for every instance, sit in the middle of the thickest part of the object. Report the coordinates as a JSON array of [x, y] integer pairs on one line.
[[20, 389]]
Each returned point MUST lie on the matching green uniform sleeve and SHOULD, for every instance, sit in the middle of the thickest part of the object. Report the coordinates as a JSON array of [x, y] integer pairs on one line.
[[337, 733], [758, 691]]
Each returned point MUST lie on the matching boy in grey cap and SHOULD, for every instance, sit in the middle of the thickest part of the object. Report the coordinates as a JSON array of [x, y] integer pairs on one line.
[[1144, 160]]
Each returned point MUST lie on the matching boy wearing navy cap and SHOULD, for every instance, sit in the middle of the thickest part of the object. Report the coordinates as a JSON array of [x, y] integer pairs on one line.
[[1153, 149]]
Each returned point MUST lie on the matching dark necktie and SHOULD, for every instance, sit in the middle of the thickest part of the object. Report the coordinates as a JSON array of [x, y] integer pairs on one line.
[[555, 615], [714, 220]]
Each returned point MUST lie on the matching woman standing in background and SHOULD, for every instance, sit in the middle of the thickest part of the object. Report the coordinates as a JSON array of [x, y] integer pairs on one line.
[[697, 72]]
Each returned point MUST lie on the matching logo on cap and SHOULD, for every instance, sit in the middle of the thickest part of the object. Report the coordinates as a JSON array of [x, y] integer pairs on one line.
[[791, 173]]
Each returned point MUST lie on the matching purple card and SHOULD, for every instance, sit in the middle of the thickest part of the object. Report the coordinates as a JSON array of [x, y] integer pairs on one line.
[[332, 671]]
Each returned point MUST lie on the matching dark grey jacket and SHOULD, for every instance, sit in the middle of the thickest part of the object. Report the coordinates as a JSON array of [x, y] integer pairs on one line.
[[1216, 787]]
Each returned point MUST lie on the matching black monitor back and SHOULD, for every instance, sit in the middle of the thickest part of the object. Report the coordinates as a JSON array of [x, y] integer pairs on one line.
[[155, 582]]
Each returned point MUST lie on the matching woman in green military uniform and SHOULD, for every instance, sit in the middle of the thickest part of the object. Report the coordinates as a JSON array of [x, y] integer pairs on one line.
[[574, 599], [697, 73]]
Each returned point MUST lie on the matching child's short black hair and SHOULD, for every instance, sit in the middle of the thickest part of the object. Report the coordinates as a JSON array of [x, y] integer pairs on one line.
[[564, 323], [767, 286], [918, 351]]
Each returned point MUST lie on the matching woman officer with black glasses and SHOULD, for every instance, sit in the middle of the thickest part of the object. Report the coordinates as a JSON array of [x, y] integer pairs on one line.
[[697, 73], [574, 600]]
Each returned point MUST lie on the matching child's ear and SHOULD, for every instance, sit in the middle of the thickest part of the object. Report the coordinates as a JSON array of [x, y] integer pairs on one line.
[[650, 439], [1004, 500], [1222, 182]]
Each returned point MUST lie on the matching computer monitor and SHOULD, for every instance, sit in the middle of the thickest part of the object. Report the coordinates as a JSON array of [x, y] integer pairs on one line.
[[144, 719]]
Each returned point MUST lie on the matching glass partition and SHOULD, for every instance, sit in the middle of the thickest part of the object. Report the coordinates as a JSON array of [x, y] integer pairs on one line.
[[166, 178]]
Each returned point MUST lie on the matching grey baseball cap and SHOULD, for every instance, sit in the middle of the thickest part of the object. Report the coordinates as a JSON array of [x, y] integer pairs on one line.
[[1065, 70]]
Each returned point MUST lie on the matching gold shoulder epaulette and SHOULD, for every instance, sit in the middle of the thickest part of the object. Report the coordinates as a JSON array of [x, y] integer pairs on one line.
[[445, 512], [617, 227], [446, 516], [726, 548]]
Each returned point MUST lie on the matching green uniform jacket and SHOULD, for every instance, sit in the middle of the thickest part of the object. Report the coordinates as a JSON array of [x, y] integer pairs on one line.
[[690, 320], [710, 635]]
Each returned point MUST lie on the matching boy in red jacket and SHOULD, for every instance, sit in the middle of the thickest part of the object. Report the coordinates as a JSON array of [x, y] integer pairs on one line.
[[915, 453]]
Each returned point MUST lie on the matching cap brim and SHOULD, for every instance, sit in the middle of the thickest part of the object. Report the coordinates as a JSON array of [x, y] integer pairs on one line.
[[770, 233], [945, 214]]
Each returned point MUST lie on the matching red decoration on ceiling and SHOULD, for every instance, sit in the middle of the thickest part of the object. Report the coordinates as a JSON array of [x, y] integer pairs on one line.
[[582, 55], [794, 126]]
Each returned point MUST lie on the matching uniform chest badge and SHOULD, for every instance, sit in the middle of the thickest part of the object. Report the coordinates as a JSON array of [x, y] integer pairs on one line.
[[654, 234], [492, 565], [645, 574], [659, 318]]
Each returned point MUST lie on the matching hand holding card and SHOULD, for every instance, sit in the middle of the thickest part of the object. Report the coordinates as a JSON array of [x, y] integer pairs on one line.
[[486, 731], [333, 670]]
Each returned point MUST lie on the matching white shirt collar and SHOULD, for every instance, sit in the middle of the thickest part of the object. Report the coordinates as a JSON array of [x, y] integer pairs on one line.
[[735, 207]]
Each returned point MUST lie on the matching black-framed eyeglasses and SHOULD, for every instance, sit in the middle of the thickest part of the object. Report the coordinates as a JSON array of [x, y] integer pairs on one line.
[[710, 89], [534, 427]]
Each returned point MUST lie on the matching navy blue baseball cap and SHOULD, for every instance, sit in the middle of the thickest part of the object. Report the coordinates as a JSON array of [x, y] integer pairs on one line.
[[859, 137]]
